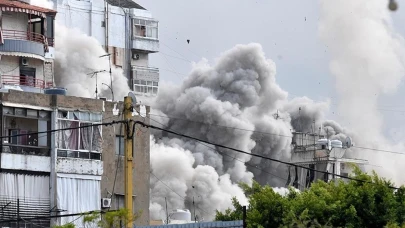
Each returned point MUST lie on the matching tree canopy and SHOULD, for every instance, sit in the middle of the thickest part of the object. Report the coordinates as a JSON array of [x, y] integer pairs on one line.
[[368, 201]]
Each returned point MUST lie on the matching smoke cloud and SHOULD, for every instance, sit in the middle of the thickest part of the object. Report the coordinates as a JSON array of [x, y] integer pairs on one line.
[[367, 61], [238, 91], [77, 57]]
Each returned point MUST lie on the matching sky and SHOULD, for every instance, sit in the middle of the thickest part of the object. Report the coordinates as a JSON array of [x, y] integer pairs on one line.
[[288, 33]]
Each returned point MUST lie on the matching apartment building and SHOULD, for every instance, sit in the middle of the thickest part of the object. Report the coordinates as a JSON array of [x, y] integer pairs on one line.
[[317, 152], [60, 172], [70, 171], [126, 30], [26, 46]]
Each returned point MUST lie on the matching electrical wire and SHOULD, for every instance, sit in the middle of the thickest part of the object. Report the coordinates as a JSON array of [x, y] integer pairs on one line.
[[268, 133], [253, 154], [224, 154], [54, 216], [67, 129]]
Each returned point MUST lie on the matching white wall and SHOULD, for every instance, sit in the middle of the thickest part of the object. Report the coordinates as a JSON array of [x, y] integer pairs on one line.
[[10, 65], [15, 21], [25, 162], [87, 16]]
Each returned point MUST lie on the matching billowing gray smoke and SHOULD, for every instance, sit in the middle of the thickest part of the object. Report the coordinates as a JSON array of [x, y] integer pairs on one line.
[[240, 92]]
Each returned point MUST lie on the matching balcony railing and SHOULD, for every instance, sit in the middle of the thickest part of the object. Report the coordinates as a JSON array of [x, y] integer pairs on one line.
[[25, 35], [26, 150], [23, 81]]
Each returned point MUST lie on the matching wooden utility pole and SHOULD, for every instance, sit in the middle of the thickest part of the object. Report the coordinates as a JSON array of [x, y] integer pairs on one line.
[[128, 159]]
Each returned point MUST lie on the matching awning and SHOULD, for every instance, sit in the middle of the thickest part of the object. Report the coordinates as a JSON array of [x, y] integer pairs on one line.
[[21, 7], [20, 10], [21, 54]]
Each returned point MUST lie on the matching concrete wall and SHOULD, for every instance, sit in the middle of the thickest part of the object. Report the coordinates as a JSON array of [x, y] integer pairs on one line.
[[142, 61], [15, 21], [25, 162], [141, 164], [10, 65], [79, 166], [49, 101]]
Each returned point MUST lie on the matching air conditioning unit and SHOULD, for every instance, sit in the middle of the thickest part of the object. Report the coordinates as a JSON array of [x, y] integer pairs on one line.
[[135, 56], [105, 202], [24, 61]]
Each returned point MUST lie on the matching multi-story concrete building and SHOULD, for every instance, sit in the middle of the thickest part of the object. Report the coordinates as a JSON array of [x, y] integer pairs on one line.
[[317, 152], [56, 172], [26, 45], [126, 30], [70, 171]]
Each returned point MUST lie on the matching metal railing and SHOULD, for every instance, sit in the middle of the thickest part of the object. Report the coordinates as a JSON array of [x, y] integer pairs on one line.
[[23, 81], [25, 35]]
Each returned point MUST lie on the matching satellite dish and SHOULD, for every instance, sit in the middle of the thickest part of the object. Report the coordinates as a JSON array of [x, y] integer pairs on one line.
[[133, 97], [348, 142]]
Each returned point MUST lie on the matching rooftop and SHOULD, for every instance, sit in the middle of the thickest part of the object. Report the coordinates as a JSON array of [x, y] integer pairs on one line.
[[18, 6], [125, 4]]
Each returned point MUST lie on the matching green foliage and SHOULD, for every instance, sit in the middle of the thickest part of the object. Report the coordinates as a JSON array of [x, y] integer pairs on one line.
[[371, 202], [110, 219]]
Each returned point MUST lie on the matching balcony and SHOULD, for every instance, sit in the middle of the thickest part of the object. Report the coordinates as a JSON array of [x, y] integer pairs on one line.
[[145, 73], [26, 83], [25, 42], [145, 80], [145, 44], [24, 35], [145, 35]]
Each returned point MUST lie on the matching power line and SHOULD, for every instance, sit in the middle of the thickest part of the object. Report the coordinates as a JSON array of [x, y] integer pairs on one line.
[[252, 154], [67, 129], [268, 133], [386, 151], [222, 153], [54, 216], [223, 126]]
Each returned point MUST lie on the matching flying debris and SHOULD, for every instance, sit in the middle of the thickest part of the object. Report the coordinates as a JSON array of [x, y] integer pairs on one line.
[[392, 5]]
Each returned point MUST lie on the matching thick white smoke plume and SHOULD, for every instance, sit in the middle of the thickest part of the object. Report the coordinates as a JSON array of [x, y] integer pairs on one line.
[[367, 60], [77, 57]]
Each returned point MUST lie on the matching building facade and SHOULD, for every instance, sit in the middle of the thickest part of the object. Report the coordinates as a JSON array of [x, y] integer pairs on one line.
[[69, 171], [126, 30], [317, 152], [26, 46]]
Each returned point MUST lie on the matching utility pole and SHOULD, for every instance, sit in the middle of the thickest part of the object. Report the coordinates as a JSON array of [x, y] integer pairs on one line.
[[244, 217], [128, 159]]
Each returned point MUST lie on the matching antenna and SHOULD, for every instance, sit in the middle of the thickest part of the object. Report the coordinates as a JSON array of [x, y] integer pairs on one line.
[[348, 142], [95, 74], [300, 123], [133, 97], [167, 213]]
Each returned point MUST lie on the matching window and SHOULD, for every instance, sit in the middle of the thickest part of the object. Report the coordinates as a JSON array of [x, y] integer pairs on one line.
[[119, 145], [26, 123], [84, 142], [145, 28], [120, 201], [146, 87]]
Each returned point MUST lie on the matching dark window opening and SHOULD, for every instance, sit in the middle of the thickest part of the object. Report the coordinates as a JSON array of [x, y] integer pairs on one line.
[[27, 76]]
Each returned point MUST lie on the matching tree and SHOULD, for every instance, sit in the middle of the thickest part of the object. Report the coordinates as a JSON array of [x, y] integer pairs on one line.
[[368, 201]]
